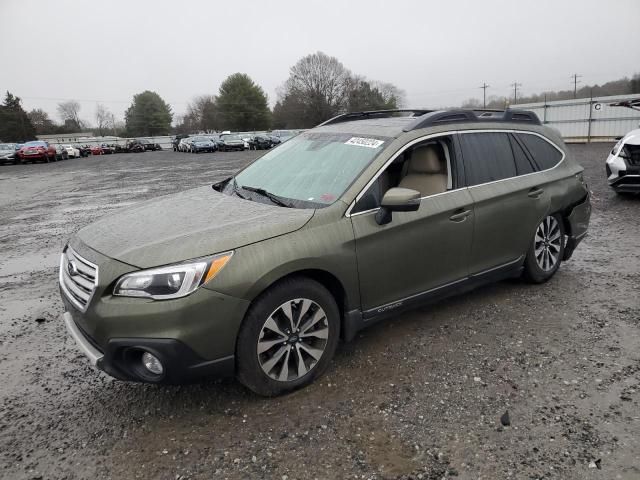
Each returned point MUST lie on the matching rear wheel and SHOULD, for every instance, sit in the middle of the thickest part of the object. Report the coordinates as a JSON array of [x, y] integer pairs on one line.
[[546, 250], [288, 337]]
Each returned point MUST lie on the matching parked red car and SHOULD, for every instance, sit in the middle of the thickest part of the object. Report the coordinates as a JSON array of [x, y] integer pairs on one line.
[[37, 151], [96, 150]]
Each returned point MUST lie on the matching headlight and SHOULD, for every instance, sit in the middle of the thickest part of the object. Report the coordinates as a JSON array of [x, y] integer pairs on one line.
[[172, 281]]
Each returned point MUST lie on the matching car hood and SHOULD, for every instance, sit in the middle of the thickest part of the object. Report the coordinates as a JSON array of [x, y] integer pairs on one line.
[[187, 225]]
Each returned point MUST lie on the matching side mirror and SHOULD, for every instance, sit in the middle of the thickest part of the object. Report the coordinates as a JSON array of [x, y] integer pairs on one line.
[[397, 200]]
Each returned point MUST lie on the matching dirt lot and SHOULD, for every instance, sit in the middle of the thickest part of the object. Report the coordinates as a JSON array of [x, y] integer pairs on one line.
[[420, 396]]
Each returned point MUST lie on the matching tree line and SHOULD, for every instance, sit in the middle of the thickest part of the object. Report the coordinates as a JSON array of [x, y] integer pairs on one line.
[[319, 87]]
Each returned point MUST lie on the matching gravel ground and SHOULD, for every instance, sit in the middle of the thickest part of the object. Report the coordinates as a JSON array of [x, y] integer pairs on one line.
[[420, 396]]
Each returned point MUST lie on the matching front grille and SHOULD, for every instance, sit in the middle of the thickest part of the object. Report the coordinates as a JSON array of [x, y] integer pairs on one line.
[[633, 154], [78, 278]]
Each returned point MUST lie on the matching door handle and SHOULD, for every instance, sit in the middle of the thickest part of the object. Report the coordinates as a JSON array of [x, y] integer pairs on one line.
[[535, 192], [460, 216]]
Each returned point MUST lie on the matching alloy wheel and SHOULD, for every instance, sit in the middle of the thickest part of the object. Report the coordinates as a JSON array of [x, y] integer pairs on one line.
[[547, 243], [293, 339]]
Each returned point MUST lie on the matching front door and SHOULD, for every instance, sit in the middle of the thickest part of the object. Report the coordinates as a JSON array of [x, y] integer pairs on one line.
[[415, 252]]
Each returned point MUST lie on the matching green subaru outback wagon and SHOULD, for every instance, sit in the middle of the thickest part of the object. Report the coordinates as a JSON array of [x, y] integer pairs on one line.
[[368, 214]]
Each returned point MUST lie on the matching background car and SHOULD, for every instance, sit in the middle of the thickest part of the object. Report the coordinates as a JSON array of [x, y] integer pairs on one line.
[[202, 144], [96, 150], [623, 164], [184, 145], [72, 152], [275, 140], [107, 149], [8, 153], [37, 150], [230, 141], [148, 144], [85, 150], [261, 142], [61, 153]]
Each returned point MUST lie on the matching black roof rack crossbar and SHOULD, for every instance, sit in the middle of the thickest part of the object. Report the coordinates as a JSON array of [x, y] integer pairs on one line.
[[442, 117], [347, 117]]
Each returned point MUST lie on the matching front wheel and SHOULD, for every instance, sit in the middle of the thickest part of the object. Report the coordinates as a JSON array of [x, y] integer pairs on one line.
[[546, 250], [288, 337]]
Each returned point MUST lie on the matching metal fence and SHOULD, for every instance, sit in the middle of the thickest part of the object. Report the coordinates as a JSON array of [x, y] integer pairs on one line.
[[587, 119]]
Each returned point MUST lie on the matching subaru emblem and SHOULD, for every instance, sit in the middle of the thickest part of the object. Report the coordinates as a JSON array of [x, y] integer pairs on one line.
[[72, 268]]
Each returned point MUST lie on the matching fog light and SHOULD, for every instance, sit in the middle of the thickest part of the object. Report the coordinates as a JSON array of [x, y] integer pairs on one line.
[[152, 363]]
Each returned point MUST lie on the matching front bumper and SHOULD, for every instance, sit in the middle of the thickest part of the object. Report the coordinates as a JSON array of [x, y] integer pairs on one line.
[[622, 176], [122, 358], [193, 336]]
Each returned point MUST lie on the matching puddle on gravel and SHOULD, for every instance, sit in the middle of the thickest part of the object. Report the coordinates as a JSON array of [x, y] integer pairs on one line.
[[29, 263]]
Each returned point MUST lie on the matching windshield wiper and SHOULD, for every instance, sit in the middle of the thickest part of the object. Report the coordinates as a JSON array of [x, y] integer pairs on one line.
[[271, 196], [236, 190]]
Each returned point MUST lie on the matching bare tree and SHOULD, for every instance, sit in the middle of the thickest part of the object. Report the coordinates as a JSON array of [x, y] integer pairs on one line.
[[69, 112], [202, 113], [104, 119], [320, 87], [390, 93], [323, 81]]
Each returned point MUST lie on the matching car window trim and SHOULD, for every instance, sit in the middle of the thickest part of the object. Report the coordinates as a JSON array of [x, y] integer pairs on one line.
[[430, 136], [453, 133]]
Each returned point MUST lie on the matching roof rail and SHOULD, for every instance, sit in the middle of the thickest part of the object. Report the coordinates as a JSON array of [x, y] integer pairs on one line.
[[428, 118], [347, 117], [442, 117]]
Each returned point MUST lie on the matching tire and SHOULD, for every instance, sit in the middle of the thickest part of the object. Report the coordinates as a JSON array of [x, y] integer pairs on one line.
[[264, 372], [546, 250]]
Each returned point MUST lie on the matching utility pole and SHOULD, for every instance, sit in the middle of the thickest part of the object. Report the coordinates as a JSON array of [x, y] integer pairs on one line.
[[484, 94], [515, 86], [575, 77]]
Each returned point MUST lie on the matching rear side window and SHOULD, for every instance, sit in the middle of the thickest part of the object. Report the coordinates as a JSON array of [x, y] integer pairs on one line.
[[487, 157], [523, 164], [543, 153]]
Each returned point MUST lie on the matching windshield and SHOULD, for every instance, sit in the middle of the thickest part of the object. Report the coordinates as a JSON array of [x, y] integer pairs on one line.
[[200, 139], [230, 137], [35, 144], [312, 167]]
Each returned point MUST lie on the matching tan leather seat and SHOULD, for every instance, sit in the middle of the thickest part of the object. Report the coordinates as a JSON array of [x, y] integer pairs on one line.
[[427, 172]]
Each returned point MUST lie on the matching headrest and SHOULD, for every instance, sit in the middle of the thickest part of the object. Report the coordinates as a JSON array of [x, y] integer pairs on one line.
[[426, 159]]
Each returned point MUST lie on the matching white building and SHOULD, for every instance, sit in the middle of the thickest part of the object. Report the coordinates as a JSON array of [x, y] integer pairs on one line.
[[587, 119]]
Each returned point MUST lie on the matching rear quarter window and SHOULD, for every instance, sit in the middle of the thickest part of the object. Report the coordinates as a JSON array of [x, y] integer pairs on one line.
[[543, 153]]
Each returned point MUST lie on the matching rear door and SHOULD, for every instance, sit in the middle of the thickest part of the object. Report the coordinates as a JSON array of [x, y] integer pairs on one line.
[[509, 200]]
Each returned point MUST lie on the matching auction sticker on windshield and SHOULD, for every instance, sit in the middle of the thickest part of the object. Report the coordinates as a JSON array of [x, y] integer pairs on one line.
[[364, 142]]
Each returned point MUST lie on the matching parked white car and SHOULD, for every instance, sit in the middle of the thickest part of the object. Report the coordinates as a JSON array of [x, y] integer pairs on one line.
[[623, 163], [185, 144], [72, 151]]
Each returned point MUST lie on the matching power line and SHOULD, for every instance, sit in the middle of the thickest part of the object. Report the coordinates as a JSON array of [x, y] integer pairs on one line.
[[575, 77], [515, 86], [484, 94]]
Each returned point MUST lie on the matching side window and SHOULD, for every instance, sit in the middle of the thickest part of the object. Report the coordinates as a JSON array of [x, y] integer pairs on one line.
[[523, 164], [543, 153], [426, 167], [487, 157]]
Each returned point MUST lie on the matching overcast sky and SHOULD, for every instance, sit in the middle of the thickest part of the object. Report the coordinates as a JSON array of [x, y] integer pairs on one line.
[[438, 52]]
